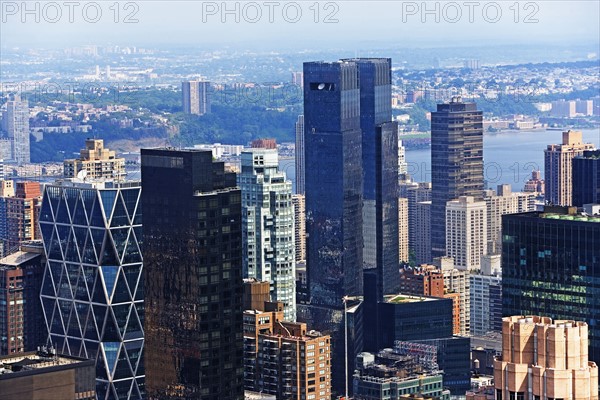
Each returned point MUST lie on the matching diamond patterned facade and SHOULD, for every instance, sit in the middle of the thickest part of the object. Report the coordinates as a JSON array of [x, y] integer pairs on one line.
[[93, 288]]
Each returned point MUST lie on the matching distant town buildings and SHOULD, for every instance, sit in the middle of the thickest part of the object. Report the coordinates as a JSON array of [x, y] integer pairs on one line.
[[545, 359], [264, 144], [558, 167], [196, 97], [97, 161]]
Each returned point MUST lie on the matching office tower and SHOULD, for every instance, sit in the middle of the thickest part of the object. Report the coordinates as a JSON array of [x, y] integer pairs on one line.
[[500, 202], [93, 292], [196, 97], [97, 161], [15, 122], [193, 276], [268, 226], [333, 150], [380, 171], [264, 143], [466, 232], [403, 230], [299, 203], [297, 78], [393, 373], [402, 165], [285, 358], [44, 374], [558, 160], [457, 281], [544, 359], [550, 267], [19, 215], [299, 156], [21, 321], [586, 178], [456, 162], [486, 303], [535, 184]]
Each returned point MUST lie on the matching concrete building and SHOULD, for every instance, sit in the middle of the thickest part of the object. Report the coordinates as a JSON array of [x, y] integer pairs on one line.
[[22, 326], [268, 235], [500, 202], [545, 359], [486, 303], [284, 358], [562, 108], [535, 184], [402, 164], [403, 255], [466, 232], [19, 212], [97, 161], [45, 375], [457, 281], [196, 97], [407, 369], [584, 107], [558, 162], [15, 122], [300, 156], [299, 202]]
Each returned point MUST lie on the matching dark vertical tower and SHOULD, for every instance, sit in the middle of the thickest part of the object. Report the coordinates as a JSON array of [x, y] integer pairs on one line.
[[380, 172], [192, 253], [586, 178], [456, 162], [333, 156]]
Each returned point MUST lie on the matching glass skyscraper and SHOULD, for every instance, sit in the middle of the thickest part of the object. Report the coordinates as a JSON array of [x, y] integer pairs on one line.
[[456, 162], [93, 289], [193, 268], [551, 267], [586, 178]]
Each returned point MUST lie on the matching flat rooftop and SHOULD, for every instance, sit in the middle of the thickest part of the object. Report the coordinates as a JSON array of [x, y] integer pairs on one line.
[[33, 361], [405, 298], [17, 258]]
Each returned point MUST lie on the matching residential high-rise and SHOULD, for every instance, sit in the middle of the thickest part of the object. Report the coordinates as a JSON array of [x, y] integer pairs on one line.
[[268, 236], [196, 97], [486, 303], [558, 167], [333, 150], [21, 320], [97, 161], [91, 296], [466, 232], [535, 184], [457, 281], [193, 276], [402, 165], [299, 156], [545, 359], [15, 122], [403, 230], [586, 178], [19, 211], [550, 267], [456, 162], [500, 202], [285, 358], [422, 232], [299, 202]]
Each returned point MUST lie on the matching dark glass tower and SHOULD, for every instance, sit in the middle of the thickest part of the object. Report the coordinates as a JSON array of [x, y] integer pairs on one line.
[[456, 162], [333, 179], [380, 172], [192, 256], [551, 267], [586, 178]]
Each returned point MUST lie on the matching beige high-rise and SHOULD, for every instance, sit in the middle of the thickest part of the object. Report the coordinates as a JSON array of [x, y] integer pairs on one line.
[[558, 159], [403, 229], [544, 359], [98, 161]]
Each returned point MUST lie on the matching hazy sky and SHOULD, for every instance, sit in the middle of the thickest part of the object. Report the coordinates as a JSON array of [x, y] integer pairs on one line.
[[287, 24]]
